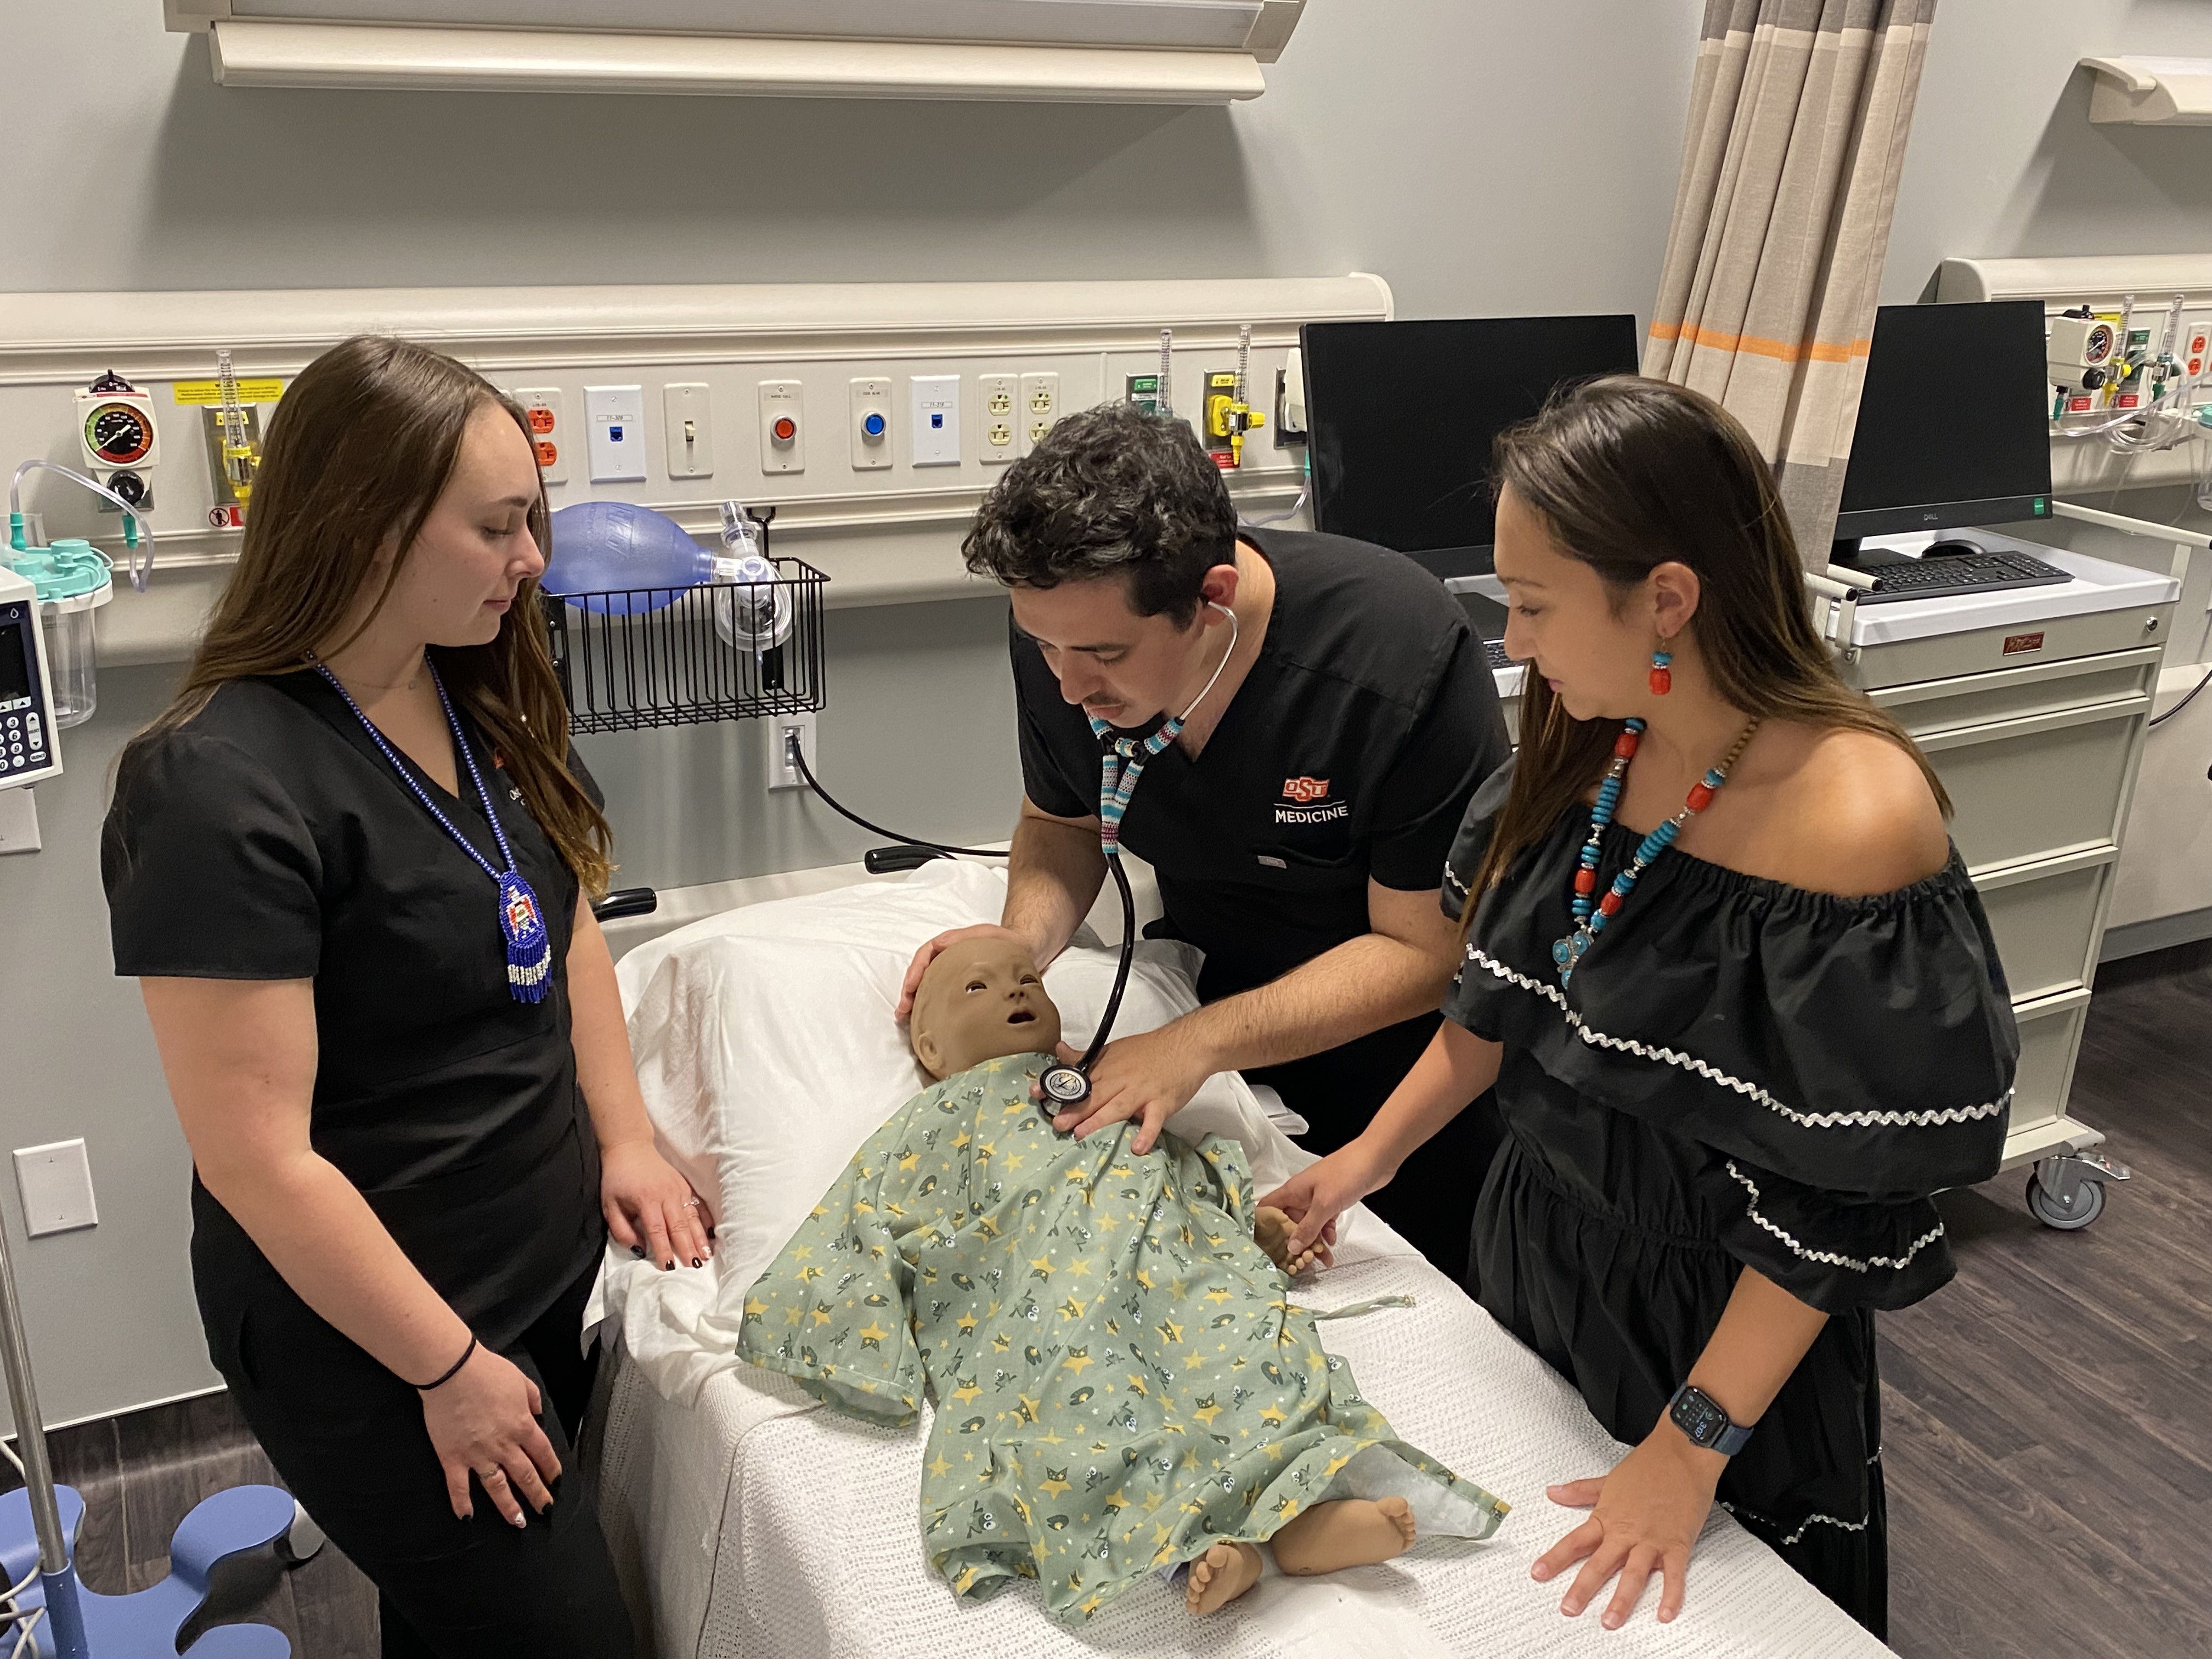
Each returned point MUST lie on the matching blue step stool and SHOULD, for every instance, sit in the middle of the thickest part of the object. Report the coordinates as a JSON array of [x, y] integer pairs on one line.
[[144, 1626]]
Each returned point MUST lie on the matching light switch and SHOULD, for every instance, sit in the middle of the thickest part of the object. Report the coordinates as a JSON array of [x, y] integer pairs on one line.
[[690, 436], [614, 419], [783, 426], [872, 425], [548, 436], [936, 420], [19, 822], [56, 1183]]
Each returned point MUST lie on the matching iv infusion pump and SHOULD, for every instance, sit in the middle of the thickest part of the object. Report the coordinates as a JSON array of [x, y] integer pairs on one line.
[[30, 749]]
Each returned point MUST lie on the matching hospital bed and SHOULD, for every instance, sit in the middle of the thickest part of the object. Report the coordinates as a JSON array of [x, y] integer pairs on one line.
[[748, 1522]]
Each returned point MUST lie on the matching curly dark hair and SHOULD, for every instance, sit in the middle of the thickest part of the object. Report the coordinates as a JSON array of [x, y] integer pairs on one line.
[[1111, 491]]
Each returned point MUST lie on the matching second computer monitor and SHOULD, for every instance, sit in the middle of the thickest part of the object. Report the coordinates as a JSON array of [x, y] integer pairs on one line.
[[1400, 416], [1954, 423]]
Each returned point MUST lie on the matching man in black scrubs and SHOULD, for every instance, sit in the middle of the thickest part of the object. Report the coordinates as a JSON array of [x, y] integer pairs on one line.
[[1298, 826]]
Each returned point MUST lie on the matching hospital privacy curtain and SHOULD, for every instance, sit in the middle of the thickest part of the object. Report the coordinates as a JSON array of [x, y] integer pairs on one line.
[[1799, 110]]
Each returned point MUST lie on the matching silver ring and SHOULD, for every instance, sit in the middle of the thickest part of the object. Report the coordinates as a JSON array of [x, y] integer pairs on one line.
[[490, 1475], [690, 1203]]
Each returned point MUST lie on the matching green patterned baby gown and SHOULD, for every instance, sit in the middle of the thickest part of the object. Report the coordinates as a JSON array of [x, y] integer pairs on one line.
[[1119, 1378]]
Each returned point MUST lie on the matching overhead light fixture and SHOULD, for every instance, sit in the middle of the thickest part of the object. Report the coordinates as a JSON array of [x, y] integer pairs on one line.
[[1132, 52]]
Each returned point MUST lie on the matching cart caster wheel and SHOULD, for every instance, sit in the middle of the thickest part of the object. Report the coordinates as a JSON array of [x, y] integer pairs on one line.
[[302, 1541], [2088, 1204]]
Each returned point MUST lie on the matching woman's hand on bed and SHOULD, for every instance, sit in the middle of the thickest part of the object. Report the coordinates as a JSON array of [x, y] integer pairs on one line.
[[1316, 1197], [651, 1209], [1644, 1518], [1151, 1075]]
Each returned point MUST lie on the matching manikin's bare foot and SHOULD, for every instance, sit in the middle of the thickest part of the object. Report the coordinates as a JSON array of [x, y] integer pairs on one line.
[[1272, 1230], [1350, 1533], [1220, 1576]]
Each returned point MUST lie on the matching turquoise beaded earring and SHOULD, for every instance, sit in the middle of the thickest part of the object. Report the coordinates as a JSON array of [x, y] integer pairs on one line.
[[1662, 681]]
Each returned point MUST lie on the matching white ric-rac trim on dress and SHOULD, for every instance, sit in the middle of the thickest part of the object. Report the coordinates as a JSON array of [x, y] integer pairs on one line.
[[1597, 1039], [1803, 1527], [1830, 1256]]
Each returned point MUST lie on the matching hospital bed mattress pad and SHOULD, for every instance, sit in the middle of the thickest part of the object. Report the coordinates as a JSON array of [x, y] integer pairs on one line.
[[750, 1522], [760, 1525]]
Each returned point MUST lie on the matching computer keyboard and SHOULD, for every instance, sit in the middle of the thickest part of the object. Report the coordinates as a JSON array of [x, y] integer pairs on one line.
[[1983, 571], [1496, 652]]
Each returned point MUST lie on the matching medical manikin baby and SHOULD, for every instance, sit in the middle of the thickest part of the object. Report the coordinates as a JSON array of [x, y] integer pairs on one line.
[[1121, 1384]]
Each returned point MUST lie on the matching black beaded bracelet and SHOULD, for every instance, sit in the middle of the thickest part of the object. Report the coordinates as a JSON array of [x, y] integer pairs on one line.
[[453, 1372]]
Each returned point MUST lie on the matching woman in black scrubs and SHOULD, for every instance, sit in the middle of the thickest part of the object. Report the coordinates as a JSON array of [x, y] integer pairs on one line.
[[1732, 1070], [350, 866]]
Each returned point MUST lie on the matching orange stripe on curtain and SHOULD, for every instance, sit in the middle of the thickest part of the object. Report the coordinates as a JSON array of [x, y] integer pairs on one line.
[[1819, 351]]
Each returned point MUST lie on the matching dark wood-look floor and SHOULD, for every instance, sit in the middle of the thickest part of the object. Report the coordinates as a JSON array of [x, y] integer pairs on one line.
[[2049, 1417], [141, 1473]]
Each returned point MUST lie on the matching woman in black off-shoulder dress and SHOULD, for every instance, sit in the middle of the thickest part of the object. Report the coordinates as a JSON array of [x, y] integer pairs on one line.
[[1733, 1076]]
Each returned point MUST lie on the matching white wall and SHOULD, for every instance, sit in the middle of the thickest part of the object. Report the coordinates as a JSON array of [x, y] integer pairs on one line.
[[1486, 156], [2002, 162]]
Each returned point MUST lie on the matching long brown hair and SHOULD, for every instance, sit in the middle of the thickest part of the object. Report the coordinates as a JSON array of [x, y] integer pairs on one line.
[[1628, 474], [358, 453]]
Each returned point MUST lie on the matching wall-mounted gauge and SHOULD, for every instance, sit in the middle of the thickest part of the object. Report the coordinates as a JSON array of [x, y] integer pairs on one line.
[[115, 428], [117, 434]]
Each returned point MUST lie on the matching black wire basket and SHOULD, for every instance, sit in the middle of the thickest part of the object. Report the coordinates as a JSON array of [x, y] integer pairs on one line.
[[633, 658]]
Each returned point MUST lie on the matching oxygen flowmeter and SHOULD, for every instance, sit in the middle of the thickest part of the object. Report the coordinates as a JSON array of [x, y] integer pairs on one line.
[[30, 748]]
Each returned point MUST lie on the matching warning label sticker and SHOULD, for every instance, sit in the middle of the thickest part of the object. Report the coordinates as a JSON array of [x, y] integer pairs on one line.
[[210, 391]]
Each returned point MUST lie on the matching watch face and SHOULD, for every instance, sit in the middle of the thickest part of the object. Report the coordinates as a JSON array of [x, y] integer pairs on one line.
[[1699, 1419]]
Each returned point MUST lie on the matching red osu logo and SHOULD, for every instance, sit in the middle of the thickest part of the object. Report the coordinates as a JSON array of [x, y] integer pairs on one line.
[[1305, 790]]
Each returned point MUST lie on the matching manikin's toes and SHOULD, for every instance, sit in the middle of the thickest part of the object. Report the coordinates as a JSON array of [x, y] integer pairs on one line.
[[1272, 1231], [1220, 1576], [1328, 1538]]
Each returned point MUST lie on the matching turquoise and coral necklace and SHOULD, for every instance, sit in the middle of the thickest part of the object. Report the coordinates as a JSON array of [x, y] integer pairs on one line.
[[1592, 912]]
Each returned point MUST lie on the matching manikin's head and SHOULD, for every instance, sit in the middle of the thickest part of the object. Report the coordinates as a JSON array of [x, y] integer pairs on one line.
[[981, 999]]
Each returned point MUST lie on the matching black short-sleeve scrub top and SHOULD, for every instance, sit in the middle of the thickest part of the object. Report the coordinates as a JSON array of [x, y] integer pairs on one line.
[[269, 838], [1349, 753]]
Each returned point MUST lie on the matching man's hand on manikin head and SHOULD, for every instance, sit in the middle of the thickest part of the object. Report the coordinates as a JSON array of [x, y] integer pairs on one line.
[[981, 999]]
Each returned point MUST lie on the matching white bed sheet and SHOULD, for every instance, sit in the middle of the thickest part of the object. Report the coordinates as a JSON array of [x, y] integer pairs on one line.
[[749, 1522]]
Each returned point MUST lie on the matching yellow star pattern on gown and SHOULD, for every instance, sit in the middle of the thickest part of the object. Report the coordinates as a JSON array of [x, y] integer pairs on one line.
[[1214, 1412]]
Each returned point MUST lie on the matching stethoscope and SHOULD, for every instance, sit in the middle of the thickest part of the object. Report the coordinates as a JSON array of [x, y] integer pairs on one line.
[[1121, 763]]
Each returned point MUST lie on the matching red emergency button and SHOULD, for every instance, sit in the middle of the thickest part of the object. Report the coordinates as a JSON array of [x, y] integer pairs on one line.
[[785, 429]]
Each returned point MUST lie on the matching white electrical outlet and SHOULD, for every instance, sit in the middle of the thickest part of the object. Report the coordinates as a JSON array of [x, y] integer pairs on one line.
[[691, 430], [614, 417], [548, 436], [936, 420], [783, 426], [1038, 409], [998, 394], [782, 774], [872, 425], [55, 1182]]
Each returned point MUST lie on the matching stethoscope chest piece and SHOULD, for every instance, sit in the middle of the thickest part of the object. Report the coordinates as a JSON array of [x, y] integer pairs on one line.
[[1065, 1085]]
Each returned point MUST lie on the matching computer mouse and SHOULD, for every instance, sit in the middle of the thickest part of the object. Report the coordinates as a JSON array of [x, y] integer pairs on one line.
[[1950, 549]]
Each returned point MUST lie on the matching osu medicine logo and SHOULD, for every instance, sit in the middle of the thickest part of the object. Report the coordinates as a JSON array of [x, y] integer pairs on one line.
[[1303, 803]]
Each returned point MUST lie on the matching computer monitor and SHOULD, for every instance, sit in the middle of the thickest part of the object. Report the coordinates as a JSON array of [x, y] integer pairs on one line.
[[1954, 425], [1400, 418]]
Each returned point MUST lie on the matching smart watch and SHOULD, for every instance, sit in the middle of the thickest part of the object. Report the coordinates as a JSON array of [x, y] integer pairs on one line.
[[1699, 1416]]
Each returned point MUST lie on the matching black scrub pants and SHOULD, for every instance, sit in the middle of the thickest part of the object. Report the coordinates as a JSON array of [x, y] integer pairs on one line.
[[1431, 1202], [349, 1439]]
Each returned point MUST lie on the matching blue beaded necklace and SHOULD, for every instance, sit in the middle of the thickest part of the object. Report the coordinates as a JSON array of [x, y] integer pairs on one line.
[[1590, 912], [521, 919]]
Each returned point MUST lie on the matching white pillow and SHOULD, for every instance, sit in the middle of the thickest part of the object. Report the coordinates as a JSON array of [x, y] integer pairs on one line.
[[768, 1054]]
